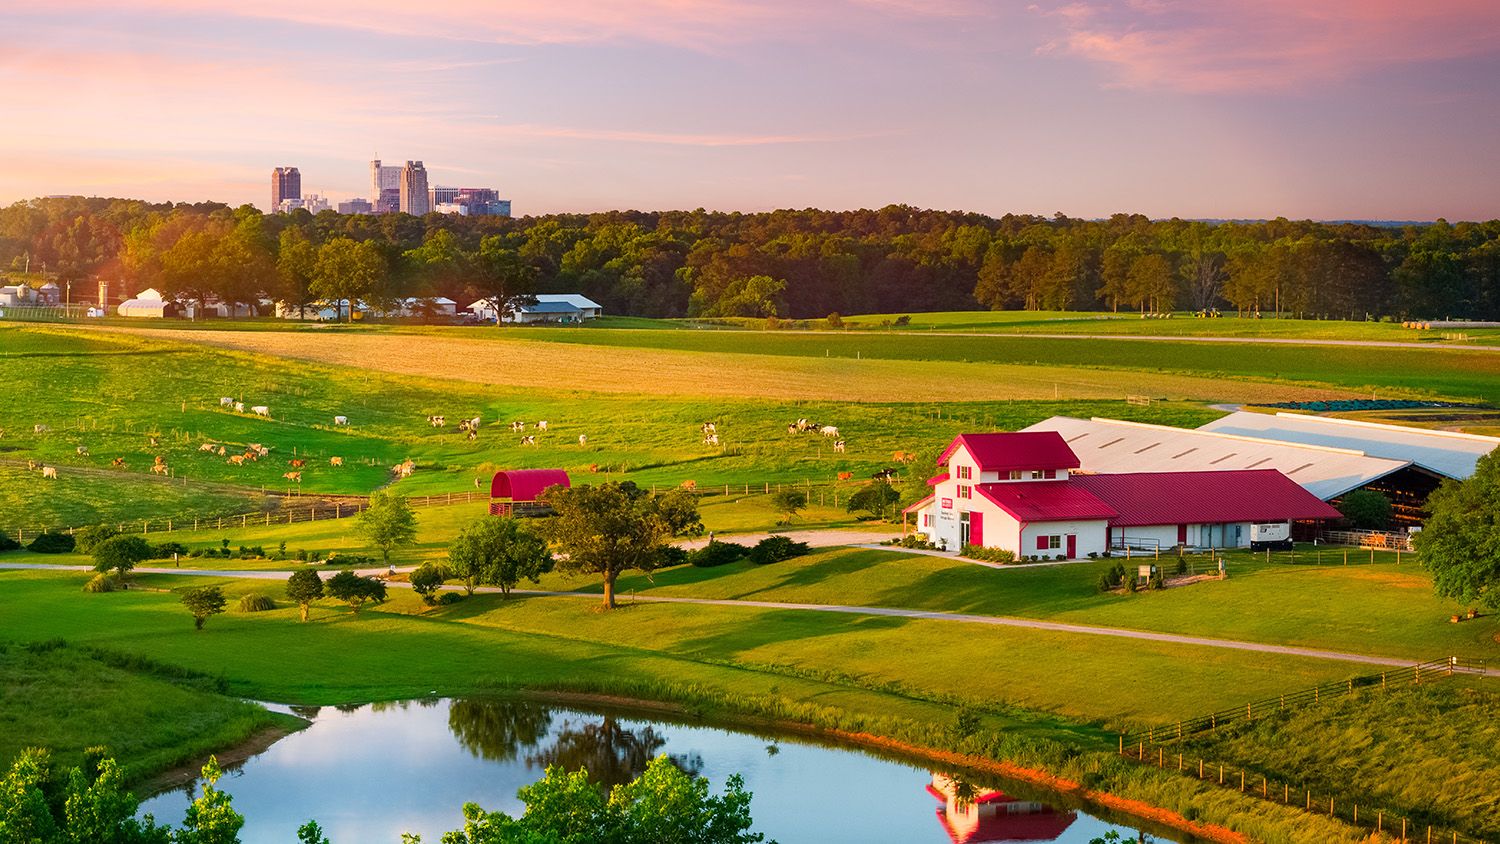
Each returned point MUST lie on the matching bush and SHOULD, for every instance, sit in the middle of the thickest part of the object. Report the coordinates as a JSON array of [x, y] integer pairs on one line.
[[717, 553], [447, 598], [51, 543], [911, 540], [1182, 565], [673, 556], [301, 555], [165, 550], [989, 555], [86, 539], [425, 581], [774, 549], [256, 602], [8, 544], [348, 560], [101, 583]]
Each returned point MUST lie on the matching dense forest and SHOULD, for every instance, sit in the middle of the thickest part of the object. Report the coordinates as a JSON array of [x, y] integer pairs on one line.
[[798, 264]]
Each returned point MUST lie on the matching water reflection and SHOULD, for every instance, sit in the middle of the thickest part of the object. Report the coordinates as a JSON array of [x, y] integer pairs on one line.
[[368, 773], [613, 752], [974, 813]]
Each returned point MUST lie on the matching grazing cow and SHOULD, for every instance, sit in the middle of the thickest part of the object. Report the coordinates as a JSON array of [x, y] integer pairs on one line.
[[838, 446], [297, 464], [904, 457], [711, 439], [208, 447], [474, 424], [804, 424], [341, 420], [159, 469], [829, 431], [261, 410], [437, 421], [690, 485], [583, 439], [295, 477], [32, 465], [159, 460], [49, 472], [594, 468], [884, 475], [845, 476], [335, 461], [239, 407], [118, 463], [472, 435], [528, 440], [404, 468], [709, 428], [82, 450], [226, 401], [40, 429], [221, 450], [153, 441], [517, 427], [791, 428], [542, 425], [236, 459]]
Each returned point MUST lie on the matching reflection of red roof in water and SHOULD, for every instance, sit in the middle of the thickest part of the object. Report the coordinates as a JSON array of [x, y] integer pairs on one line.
[[996, 816]]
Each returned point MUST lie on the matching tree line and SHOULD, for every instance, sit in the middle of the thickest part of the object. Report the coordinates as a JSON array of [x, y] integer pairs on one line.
[[791, 263]]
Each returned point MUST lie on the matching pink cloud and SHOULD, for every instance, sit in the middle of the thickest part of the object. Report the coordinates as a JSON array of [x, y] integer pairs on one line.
[[1207, 46], [685, 23]]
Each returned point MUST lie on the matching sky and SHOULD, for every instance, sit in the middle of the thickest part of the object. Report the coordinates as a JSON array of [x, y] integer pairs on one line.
[[1324, 109]]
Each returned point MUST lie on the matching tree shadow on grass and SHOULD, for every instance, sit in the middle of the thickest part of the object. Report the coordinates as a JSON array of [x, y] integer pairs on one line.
[[772, 627]]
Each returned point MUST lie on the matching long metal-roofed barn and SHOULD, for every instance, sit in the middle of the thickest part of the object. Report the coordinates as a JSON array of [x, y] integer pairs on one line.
[[1447, 453], [514, 492], [1112, 446]]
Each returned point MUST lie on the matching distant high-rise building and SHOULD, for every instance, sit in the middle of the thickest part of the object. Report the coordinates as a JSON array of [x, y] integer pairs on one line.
[[440, 195], [356, 206], [470, 202], [385, 188], [313, 203], [286, 183], [414, 198]]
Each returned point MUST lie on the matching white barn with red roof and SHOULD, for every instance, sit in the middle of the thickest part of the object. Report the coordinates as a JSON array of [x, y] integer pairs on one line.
[[1017, 491]]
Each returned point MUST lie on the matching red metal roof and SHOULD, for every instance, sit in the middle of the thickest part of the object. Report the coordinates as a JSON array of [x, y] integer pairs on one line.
[[937, 479], [1176, 498], [1024, 823], [919, 505], [526, 484], [1046, 501], [1019, 450]]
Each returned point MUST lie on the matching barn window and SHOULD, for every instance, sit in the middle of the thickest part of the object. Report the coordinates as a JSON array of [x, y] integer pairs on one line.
[[1015, 474], [965, 491], [1054, 541], [965, 473], [1036, 475]]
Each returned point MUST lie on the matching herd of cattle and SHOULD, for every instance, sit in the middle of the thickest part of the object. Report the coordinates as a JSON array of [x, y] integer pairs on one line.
[[254, 452]]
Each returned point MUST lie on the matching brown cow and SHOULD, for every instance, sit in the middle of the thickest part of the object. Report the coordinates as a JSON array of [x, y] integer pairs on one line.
[[297, 464], [844, 476], [293, 476], [335, 461]]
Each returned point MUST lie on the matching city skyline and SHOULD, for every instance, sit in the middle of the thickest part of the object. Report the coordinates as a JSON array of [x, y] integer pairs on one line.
[[1210, 110]]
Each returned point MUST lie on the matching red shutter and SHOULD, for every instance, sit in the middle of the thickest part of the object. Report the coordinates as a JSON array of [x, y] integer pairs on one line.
[[1041, 543], [976, 528]]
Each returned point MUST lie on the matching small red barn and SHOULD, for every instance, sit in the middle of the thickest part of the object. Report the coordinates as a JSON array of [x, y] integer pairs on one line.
[[515, 491]]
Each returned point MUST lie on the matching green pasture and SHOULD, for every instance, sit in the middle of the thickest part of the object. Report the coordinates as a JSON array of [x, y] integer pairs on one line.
[[1391, 372], [111, 394], [1426, 753], [862, 664], [149, 717]]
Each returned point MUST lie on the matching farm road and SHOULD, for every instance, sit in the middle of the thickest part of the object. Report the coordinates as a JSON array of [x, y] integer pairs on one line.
[[889, 612]]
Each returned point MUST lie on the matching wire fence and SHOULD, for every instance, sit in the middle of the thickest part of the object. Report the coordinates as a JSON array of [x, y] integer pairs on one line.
[[1151, 746]]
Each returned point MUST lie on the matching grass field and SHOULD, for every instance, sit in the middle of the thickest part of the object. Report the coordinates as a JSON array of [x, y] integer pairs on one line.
[[149, 717], [111, 393], [1385, 749]]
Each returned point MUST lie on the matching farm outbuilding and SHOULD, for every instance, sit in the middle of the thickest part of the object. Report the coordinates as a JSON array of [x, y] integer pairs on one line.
[[147, 304], [515, 491], [1021, 492]]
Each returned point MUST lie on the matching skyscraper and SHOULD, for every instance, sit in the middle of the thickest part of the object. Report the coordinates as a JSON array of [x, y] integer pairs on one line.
[[414, 198], [385, 188], [286, 183]]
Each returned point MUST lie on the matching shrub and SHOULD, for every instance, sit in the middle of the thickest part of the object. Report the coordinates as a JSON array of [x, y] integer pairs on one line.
[[348, 560], [101, 583], [673, 556], [1182, 565], [425, 581], [8, 544], [447, 598], [85, 540], [717, 553], [256, 602], [774, 549], [989, 555], [121, 554], [301, 555], [903, 320], [51, 543], [1105, 584], [165, 550]]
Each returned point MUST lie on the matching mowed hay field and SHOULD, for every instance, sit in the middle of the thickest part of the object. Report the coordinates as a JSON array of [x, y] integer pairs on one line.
[[112, 393], [790, 367]]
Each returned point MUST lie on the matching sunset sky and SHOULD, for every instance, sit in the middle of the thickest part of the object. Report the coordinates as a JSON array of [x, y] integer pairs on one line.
[[1201, 108]]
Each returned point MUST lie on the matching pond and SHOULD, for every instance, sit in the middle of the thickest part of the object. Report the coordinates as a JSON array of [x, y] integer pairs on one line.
[[368, 773]]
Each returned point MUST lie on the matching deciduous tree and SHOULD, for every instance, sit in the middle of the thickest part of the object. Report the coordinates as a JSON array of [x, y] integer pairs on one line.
[[354, 589], [609, 528], [388, 523], [304, 587], [203, 602], [1460, 543], [498, 552]]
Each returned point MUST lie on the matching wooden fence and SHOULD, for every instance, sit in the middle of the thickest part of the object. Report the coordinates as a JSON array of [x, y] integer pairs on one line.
[[1150, 747], [1374, 539]]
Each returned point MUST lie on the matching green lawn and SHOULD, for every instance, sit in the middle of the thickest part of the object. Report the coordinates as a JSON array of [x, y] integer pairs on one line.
[[68, 700]]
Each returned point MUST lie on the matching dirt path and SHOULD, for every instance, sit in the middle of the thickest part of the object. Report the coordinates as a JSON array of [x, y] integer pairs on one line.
[[889, 612]]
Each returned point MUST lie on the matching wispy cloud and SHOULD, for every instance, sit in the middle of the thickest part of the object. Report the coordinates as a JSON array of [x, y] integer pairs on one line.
[[1210, 46]]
